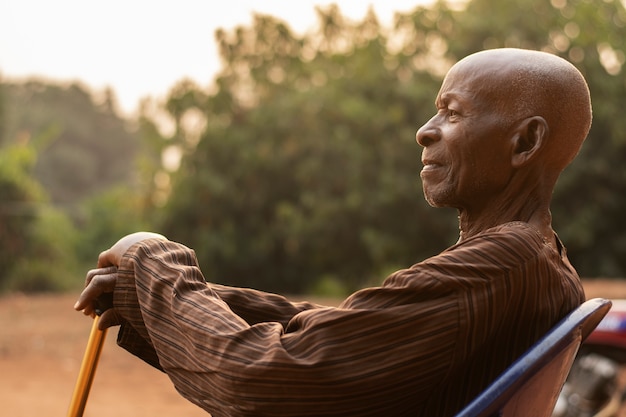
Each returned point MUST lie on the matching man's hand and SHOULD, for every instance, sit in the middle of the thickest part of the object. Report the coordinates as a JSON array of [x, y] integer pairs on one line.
[[97, 297], [113, 256]]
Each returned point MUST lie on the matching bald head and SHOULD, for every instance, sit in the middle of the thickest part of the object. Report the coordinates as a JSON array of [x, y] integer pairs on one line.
[[508, 122], [523, 83]]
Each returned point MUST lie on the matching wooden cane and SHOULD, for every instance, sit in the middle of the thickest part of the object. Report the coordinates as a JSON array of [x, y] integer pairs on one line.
[[87, 370]]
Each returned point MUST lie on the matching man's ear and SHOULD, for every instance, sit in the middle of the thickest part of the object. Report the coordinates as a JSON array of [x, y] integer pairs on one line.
[[530, 136]]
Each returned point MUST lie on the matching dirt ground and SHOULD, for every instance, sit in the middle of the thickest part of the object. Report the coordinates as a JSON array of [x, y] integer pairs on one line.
[[42, 341]]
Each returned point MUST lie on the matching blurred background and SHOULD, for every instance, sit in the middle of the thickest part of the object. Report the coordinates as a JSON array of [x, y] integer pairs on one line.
[[275, 138], [285, 154]]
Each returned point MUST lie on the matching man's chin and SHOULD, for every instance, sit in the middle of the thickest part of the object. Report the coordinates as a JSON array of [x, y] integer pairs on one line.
[[437, 201], [434, 203]]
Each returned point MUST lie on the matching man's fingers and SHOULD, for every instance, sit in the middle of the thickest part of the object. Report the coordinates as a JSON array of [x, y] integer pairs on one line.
[[99, 281], [108, 319], [98, 271], [106, 259]]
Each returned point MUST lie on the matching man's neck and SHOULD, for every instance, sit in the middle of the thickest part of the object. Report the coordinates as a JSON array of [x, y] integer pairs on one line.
[[530, 209]]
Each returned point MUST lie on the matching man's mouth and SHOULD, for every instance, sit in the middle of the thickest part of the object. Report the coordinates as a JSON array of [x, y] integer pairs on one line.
[[430, 165]]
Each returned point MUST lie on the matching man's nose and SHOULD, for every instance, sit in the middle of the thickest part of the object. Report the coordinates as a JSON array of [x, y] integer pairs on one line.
[[429, 133]]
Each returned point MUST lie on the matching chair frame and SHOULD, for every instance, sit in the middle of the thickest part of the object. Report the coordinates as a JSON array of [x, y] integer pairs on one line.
[[531, 385]]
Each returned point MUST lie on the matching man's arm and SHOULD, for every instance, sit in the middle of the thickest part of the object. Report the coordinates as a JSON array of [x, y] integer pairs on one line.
[[257, 306], [409, 345], [326, 361]]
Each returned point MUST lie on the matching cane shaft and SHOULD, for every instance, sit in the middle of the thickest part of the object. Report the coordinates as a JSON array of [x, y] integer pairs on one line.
[[87, 370]]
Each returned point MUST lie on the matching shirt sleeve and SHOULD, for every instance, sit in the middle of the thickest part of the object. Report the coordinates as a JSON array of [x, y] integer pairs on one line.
[[351, 360], [257, 306], [424, 343]]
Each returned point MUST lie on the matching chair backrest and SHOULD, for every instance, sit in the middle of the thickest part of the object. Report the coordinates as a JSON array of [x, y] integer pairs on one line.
[[531, 385]]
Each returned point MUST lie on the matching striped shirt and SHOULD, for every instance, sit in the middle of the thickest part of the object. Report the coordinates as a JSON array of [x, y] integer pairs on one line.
[[423, 344]]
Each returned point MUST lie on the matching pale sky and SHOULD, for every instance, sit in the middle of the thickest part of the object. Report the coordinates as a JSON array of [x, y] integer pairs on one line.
[[138, 47]]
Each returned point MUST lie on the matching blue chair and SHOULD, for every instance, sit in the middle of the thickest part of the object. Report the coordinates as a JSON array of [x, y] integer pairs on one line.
[[531, 385]]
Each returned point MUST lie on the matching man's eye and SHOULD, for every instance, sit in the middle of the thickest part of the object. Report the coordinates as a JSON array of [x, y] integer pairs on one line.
[[453, 113]]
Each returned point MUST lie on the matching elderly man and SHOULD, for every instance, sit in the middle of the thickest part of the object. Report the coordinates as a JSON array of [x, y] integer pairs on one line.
[[433, 335]]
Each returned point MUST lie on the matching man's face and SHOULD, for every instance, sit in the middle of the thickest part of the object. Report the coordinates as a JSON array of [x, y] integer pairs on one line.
[[467, 151]]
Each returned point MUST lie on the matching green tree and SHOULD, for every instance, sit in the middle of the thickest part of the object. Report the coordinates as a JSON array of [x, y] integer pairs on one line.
[[36, 241], [308, 166], [3, 116], [127, 206], [20, 195], [71, 182], [307, 169], [83, 147]]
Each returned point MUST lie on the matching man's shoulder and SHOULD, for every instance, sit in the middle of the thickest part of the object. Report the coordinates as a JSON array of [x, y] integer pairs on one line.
[[512, 233], [514, 227], [503, 245]]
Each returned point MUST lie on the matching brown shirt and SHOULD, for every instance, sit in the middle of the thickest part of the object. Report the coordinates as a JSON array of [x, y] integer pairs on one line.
[[423, 344]]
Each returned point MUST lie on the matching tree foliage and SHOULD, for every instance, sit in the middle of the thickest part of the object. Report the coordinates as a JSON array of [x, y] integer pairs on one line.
[[307, 165], [299, 166], [20, 195], [61, 153], [83, 147]]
